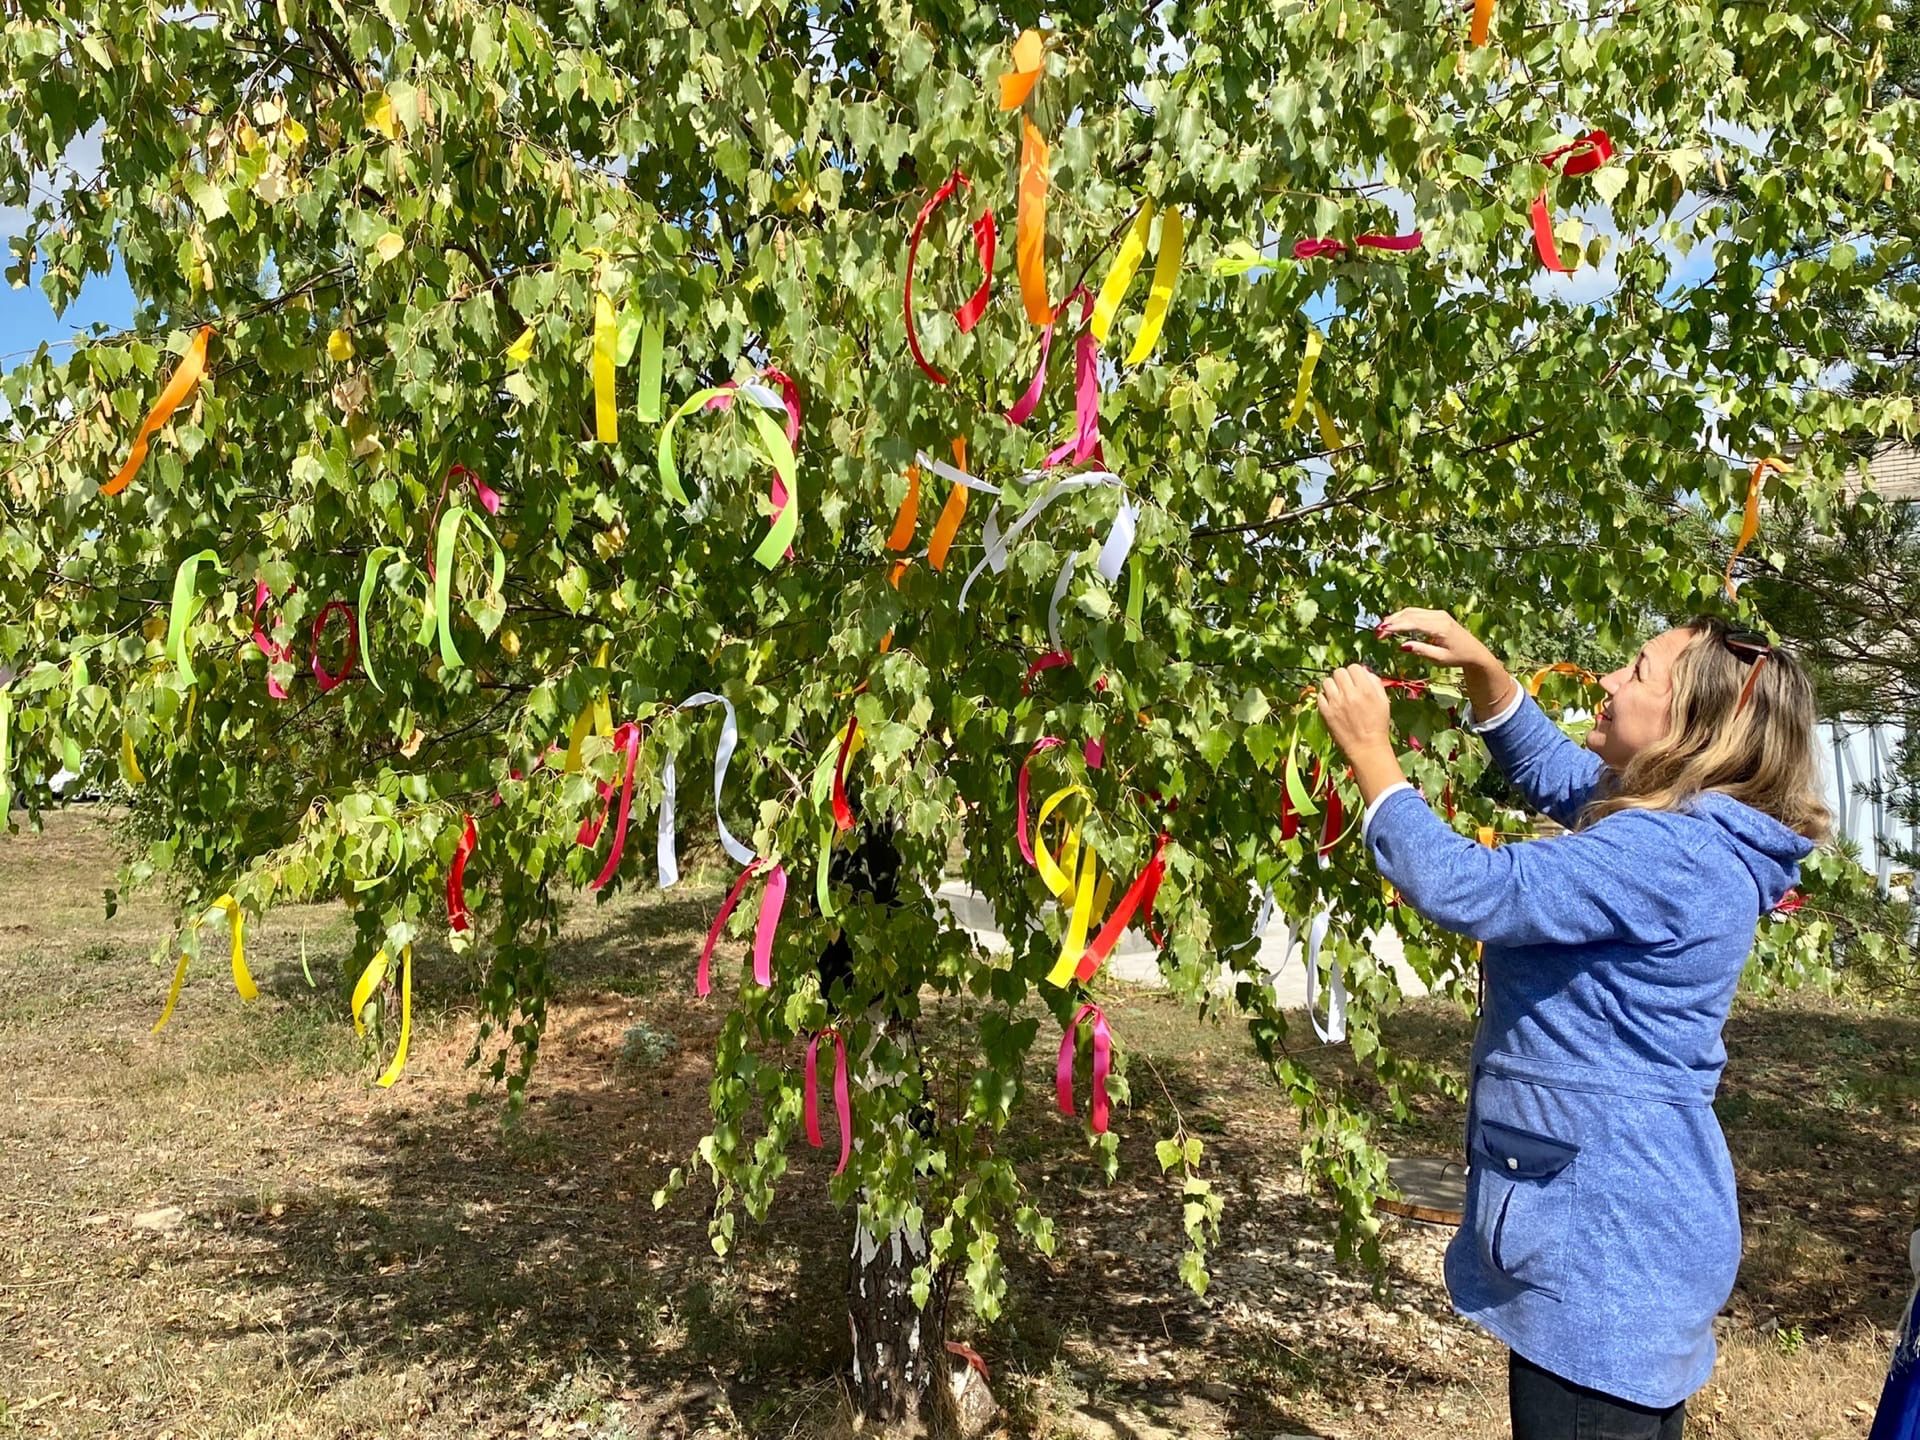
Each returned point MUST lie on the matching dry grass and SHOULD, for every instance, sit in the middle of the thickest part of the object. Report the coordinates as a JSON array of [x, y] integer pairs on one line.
[[346, 1261]]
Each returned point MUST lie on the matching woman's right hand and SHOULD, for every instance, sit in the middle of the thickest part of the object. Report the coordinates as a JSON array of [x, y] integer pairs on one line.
[[1446, 642]]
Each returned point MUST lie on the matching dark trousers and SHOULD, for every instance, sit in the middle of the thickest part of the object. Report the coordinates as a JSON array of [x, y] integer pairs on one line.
[[1545, 1407]]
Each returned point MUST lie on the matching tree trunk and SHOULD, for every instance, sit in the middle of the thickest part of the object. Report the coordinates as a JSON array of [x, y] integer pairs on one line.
[[899, 1350]]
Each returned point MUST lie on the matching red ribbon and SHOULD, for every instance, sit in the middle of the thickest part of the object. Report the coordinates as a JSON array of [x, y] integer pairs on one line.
[[1102, 1063], [626, 738], [274, 651], [772, 899], [327, 681], [1146, 885], [985, 240], [1577, 157], [488, 497], [1085, 444], [842, 1100], [842, 811], [457, 878], [1333, 827], [1052, 660], [1045, 742], [1327, 245], [1790, 903]]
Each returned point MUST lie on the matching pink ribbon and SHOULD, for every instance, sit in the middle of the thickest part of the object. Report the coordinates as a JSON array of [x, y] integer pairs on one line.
[[1102, 1063], [626, 738], [1052, 660], [1085, 444], [457, 878], [1327, 245], [488, 497], [1023, 408], [327, 681], [842, 1100], [1095, 753], [771, 901], [274, 652], [1045, 742]]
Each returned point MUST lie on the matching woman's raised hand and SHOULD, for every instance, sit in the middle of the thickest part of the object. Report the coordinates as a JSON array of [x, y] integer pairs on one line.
[[1446, 642]]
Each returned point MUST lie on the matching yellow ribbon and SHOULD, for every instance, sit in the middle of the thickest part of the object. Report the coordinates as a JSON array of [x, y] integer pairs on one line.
[[1330, 437], [1309, 358], [363, 989], [242, 977], [1074, 943], [606, 415], [1166, 274], [130, 761], [597, 717], [1051, 874]]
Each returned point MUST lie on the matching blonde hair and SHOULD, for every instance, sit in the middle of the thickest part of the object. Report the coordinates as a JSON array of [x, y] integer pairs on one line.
[[1749, 736]]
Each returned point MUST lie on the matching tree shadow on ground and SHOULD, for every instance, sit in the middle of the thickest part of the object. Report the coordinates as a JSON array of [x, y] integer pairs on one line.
[[504, 1251]]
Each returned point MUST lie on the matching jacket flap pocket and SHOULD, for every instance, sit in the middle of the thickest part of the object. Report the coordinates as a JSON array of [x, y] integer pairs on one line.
[[1520, 1155]]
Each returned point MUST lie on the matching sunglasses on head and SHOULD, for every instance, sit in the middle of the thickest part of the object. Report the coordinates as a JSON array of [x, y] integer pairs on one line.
[[1754, 650]]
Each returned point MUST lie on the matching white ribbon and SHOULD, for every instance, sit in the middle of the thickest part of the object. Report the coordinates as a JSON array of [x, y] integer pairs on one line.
[[1335, 1030], [1059, 593], [765, 396], [722, 757], [955, 476], [1113, 554], [669, 860], [997, 544]]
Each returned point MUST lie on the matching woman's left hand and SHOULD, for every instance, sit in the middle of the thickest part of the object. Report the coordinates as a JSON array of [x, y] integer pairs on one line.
[[1353, 702]]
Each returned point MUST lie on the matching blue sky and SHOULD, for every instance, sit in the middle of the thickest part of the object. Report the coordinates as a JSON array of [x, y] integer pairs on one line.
[[27, 318]]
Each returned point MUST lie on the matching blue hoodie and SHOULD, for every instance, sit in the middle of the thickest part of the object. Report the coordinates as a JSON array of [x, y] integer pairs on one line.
[[1602, 1233]]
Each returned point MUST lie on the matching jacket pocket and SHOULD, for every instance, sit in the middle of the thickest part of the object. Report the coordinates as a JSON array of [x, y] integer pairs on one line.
[[1522, 1203]]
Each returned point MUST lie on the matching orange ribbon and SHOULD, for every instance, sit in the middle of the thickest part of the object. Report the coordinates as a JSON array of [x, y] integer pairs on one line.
[[1029, 63], [186, 378], [1482, 22], [1750, 520], [908, 515], [1560, 667], [948, 525], [1030, 225]]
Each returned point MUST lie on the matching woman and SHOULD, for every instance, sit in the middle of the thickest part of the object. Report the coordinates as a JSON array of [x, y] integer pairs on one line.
[[1602, 1234]]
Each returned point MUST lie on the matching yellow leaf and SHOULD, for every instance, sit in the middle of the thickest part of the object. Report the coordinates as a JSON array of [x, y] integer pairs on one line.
[[340, 346], [521, 350], [295, 132], [379, 113], [389, 245]]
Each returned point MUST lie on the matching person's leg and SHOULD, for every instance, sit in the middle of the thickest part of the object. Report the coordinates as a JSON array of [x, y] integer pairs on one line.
[[1542, 1406]]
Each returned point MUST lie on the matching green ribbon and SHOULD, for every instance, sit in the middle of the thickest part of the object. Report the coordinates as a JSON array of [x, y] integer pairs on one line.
[[1136, 592], [6, 755], [177, 616], [773, 440], [787, 523], [399, 844], [443, 562], [652, 339], [1297, 792], [670, 472], [369, 576]]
